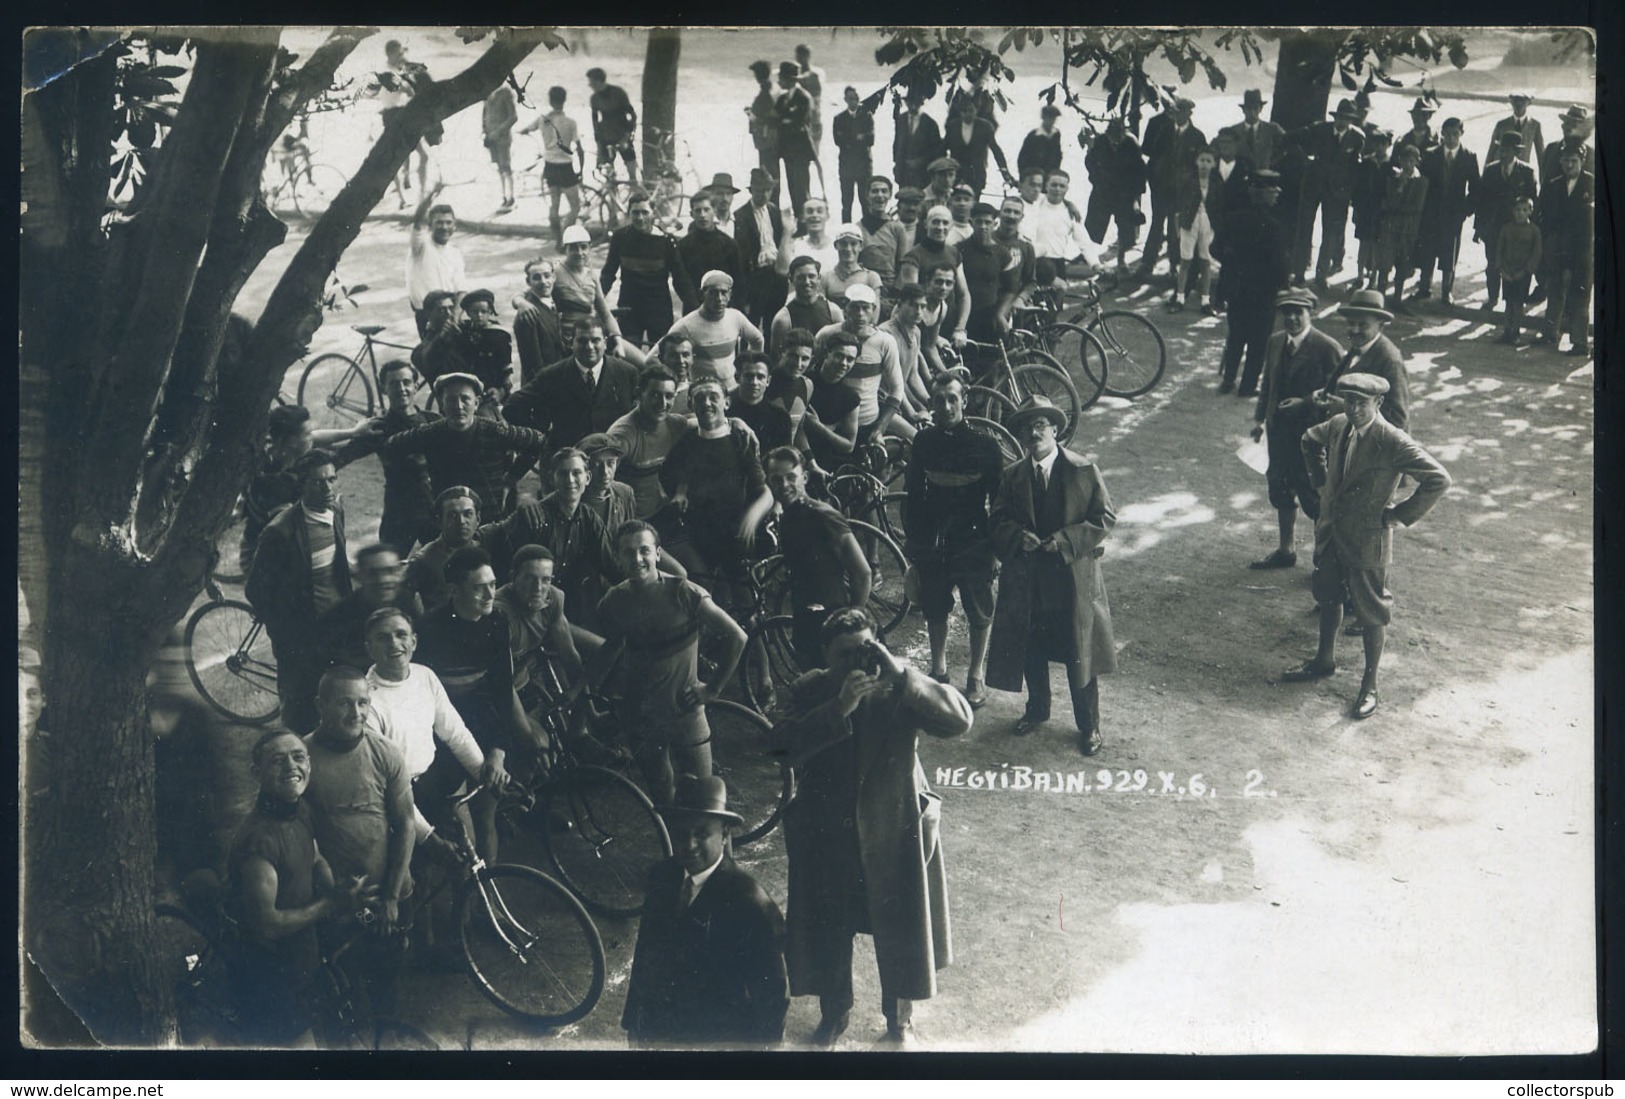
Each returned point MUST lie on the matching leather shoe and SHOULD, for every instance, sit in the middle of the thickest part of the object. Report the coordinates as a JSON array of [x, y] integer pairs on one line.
[[1307, 671], [975, 693], [900, 1035], [831, 1028], [1226, 386], [1026, 724], [1089, 743], [1278, 559], [1366, 704]]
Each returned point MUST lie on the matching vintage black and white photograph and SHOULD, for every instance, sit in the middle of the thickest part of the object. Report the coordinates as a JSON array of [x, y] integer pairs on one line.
[[916, 539]]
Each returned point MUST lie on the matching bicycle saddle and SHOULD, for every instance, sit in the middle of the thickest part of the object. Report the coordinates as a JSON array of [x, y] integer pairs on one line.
[[369, 329]]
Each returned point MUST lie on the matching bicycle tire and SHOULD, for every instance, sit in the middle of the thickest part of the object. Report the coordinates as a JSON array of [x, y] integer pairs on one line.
[[534, 951], [315, 189], [337, 391], [1008, 446], [893, 514], [769, 664], [986, 403], [229, 660], [888, 603], [1039, 373], [1136, 354], [1081, 355], [602, 835], [758, 781], [606, 205]]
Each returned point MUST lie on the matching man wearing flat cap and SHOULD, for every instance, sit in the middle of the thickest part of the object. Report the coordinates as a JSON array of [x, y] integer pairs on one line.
[[1371, 352], [1452, 175], [1357, 459], [943, 173], [1499, 188], [1298, 362], [718, 331], [1525, 125], [1251, 248], [1331, 150], [464, 448], [793, 112], [1051, 517], [708, 966], [863, 833]]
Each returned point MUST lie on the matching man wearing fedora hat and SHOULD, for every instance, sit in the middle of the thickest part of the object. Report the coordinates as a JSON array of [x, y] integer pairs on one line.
[[916, 142], [1371, 352], [1452, 175], [1051, 517], [1331, 151], [1251, 248], [708, 966], [863, 831], [1357, 458], [721, 189], [1420, 136], [1577, 124], [1258, 141], [1499, 189], [759, 231], [1298, 361], [1525, 125], [854, 132]]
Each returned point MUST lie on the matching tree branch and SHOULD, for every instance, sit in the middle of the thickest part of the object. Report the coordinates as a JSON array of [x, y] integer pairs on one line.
[[309, 80]]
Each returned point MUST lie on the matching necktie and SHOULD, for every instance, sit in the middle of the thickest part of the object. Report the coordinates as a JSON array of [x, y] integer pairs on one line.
[[1348, 450], [685, 895]]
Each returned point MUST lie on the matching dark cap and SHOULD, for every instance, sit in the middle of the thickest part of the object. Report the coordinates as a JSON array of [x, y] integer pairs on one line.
[[790, 69], [476, 296], [1370, 385], [599, 442], [761, 69]]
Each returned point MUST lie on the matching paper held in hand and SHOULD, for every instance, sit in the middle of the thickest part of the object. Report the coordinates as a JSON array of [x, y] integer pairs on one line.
[[1255, 456]]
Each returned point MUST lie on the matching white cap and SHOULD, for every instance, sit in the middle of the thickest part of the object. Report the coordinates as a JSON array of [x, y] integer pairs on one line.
[[860, 292], [716, 278], [577, 234], [849, 230]]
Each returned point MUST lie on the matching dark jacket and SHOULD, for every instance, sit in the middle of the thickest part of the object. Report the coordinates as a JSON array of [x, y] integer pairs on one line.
[[1329, 172], [855, 139], [538, 336], [558, 402], [1172, 156], [972, 154], [1116, 172], [279, 586], [1566, 223], [1384, 360], [1451, 191], [911, 154], [1497, 193], [711, 973]]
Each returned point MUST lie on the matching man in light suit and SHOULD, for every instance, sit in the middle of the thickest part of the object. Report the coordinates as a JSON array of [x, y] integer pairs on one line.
[[1357, 459], [1452, 175], [1298, 360], [1522, 123], [708, 966], [1051, 517], [764, 288]]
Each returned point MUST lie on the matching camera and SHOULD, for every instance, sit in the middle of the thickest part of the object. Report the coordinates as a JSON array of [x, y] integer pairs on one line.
[[872, 657]]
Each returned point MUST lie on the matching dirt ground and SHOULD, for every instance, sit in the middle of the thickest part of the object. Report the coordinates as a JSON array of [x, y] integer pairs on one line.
[[1417, 883]]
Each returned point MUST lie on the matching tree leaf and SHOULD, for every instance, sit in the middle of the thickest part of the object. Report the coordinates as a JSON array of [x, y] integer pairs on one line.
[[1347, 78]]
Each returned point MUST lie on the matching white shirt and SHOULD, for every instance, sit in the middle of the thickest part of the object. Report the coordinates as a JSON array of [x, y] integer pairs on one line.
[[1056, 236], [700, 879], [431, 266], [591, 374], [764, 229], [412, 714], [1047, 465]]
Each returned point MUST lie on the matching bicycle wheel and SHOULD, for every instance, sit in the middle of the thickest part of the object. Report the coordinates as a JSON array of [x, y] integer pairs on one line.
[[228, 657], [315, 189], [1042, 375], [530, 946], [741, 755], [602, 835], [337, 391], [1008, 447], [892, 516], [1080, 355], [888, 604], [985, 403], [1135, 353], [769, 663], [605, 205]]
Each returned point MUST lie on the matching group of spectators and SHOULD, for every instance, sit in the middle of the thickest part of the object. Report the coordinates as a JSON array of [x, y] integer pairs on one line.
[[668, 447]]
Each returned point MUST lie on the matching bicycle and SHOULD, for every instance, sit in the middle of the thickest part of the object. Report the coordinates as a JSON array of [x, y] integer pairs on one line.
[[1075, 348], [338, 389], [229, 659], [1136, 354], [604, 197], [292, 183], [672, 186], [1006, 381]]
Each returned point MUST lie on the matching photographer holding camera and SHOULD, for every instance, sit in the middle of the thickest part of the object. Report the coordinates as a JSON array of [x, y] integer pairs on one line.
[[862, 834]]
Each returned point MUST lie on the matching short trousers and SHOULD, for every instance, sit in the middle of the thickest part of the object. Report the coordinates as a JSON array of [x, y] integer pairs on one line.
[[1336, 582], [1196, 240], [608, 149], [501, 151], [939, 579], [560, 175]]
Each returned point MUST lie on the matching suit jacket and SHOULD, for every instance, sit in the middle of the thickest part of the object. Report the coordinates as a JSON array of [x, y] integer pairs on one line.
[[1384, 360], [557, 401], [1330, 171], [1551, 161], [1172, 156], [1533, 144], [1116, 172], [1353, 504], [1069, 580], [278, 585], [749, 240], [1263, 147], [972, 154], [713, 972], [911, 153], [860, 790], [793, 109], [1307, 371], [1566, 223], [538, 336], [1189, 196], [1496, 195], [1451, 190]]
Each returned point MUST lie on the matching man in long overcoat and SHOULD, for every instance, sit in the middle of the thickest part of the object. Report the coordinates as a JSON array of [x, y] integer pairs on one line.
[[862, 834], [1050, 519], [1357, 459], [709, 963]]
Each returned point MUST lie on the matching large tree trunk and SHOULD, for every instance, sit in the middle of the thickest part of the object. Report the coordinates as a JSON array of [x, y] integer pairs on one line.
[[659, 90], [1304, 70]]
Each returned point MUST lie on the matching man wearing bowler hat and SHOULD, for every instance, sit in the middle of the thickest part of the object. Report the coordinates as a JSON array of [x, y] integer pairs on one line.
[[1522, 123], [1251, 248], [1258, 141], [1370, 352], [1357, 459], [1051, 517], [863, 833], [1452, 175], [1298, 361], [1499, 188], [708, 966], [1331, 150]]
